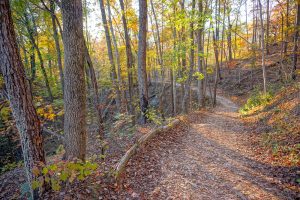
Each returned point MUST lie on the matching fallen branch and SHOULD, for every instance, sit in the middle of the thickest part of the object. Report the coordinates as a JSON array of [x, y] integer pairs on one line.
[[138, 145], [59, 136]]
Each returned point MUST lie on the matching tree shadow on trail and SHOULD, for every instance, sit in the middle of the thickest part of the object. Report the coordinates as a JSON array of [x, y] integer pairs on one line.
[[183, 163]]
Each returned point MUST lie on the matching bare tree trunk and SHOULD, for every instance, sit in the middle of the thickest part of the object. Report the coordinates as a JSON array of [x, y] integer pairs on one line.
[[129, 60], [216, 51], [229, 38], [74, 82], [32, 64], [110, 54], [296, 37], [262, 47], [96, 96], [268, 28], [57, 45], [19, 94], [174, 92], [142, 52], [159, 52], [287, 26], [117, 55], [31, 32], [184, 105]]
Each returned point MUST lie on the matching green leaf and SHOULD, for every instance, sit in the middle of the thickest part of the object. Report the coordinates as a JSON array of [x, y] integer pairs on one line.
[[198, 75], [53, 167], [80, 177], [35, 184], [64, 176], [45, 170]]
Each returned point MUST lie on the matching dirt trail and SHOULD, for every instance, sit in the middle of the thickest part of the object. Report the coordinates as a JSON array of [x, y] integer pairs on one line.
[[208, 158]]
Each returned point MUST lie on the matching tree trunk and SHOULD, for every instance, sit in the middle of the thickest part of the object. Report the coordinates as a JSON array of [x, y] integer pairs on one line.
[[296, 37], [262, 47], [142, 52], [96, 100], [74, 80], [192, 56], [57, 45], [110, 54], [287, 26], [19, 94], [117, 55], [216, 70], [31, 32], [268, 27], [229, 39], [129, 60]]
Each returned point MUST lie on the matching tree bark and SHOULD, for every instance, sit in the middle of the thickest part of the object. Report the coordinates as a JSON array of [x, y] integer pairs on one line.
[[57, 45], [117, 55], [19, 95], [192, 56], [296, 37], [200, 57], [96, 100], [31, 32], [268, 27], [129, 58], [287, 26], [142, 52], [216, 51], [229, 38], [262, 47], [74, 80], [110, 54]]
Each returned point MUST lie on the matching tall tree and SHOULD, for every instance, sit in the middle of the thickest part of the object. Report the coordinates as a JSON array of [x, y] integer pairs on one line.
[[19, 94], [268, 28], [74, 80], [117, 55], [129, 58], [192, 56], [262, 46], [57, 44], [110, 53], [142, 52], [200, 41], [32, 31], [296, 37]]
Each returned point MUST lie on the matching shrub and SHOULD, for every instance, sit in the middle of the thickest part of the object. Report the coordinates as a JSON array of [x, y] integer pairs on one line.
[[256, 99], [62, 173]]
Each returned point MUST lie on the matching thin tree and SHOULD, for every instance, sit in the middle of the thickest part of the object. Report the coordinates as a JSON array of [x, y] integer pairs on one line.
[[19, 95], [200, 57], [117, 55], [142, 52], [268, 28], [192, 56], [262, 46], [110, 53], [296, 37], [57, 44], [74, 80], [129, 58], [32, 31]]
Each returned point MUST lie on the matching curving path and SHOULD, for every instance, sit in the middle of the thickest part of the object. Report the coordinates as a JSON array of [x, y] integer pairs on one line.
[[205, 158]]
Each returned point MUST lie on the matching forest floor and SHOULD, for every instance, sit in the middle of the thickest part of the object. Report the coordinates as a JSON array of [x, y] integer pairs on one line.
[[208, 157], [212, 154]]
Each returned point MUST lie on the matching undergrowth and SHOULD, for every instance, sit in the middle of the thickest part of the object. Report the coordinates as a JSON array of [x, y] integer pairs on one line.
[[257, 99], [278, 111]]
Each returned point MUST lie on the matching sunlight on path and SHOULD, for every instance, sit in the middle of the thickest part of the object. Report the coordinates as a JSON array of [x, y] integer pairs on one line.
[[209, 161]]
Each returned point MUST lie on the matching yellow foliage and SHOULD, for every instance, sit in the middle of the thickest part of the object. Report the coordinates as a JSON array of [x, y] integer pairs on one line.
[[46, 113]]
